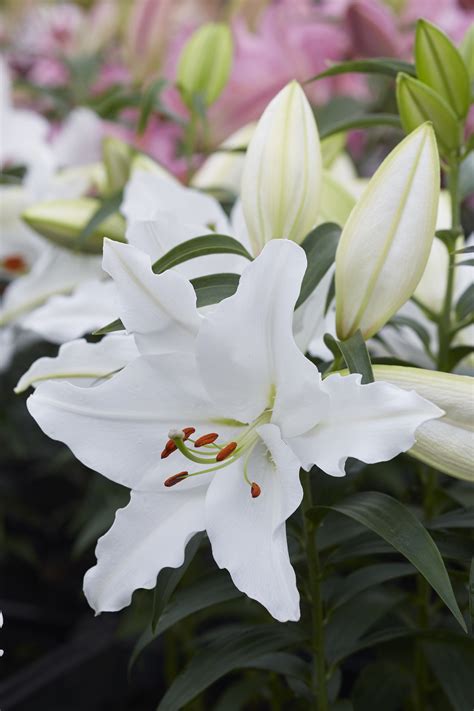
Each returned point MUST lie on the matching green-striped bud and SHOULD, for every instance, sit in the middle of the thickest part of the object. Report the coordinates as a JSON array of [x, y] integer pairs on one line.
[[205, 63], [63, 221]]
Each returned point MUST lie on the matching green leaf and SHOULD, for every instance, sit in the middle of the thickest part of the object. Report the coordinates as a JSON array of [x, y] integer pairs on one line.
[[111, 327], [148, 103], [460, 518], [200, 247], [421, 332], [382, 65], [213, 288], [466, 250], [238, 649], [471, 596], [466, 263], [397, 525], [362, 121], [350, 622], [452, 665], [213, 590], [417, 103], [356, 355], [117, 158], [370, 693], [320, 247], [367, 577], [457, 354], [169, 579], [440, 66]]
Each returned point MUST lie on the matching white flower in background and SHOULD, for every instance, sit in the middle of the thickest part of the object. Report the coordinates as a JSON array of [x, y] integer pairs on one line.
[[39, 271], [238, 385]]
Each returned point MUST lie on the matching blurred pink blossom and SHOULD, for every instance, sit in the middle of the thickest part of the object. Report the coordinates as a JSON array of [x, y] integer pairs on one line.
[[291, 41]]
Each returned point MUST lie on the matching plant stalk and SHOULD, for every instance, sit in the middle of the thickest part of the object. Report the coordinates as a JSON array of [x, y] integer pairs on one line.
[[317, 611], [444, 324]]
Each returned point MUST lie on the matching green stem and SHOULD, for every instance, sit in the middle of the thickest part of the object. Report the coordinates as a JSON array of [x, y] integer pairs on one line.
[[444, 324], [317, 612], [429, 482]]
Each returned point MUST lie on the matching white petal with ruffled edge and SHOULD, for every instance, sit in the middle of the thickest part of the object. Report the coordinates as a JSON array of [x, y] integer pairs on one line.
[[247, 535], [148, 535], [372, 422]]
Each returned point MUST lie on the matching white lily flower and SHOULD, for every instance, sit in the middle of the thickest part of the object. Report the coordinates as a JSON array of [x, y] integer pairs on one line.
[[242, 383], [281, 182], [447, 444], [385, 243]]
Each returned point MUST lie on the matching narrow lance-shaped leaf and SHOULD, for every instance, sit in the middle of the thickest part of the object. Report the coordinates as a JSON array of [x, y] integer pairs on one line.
[[397, 525], [200, 247], [387, 66], [320, 247], [221, 656]]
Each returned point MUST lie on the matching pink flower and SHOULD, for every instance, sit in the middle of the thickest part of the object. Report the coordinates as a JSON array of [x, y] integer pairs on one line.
[[291, 41]]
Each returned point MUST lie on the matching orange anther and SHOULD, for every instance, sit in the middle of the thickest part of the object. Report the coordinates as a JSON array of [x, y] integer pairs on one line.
[[170, 447], [175, 479], [255, 490], [14, 263], [226, 451], [206, 439], [188, 431]]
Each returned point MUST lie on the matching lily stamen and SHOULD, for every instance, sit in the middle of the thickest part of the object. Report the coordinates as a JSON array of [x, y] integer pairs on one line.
[[226, 451], [176, 478], [255, 490], [206, 439]]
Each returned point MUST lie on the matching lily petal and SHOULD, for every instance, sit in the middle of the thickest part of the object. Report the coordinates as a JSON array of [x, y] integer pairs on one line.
[[81, 362], [58, 271], [120, 427], [159, 309], [447, 444], [66, 317], [245, 346], [373, 423], [147, 195], [148, 535], [248, 535]]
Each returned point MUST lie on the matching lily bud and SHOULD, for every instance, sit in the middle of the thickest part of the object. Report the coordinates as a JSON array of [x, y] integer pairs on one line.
[[447, 443], [466, 49], [417, 103], [386, 242], [205, 63], [145, 164], [282, 176], [117, 156], [440, 66], [62, 221]]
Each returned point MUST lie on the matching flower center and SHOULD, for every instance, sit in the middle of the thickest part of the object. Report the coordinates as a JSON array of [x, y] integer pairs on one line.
[[215, 454]]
